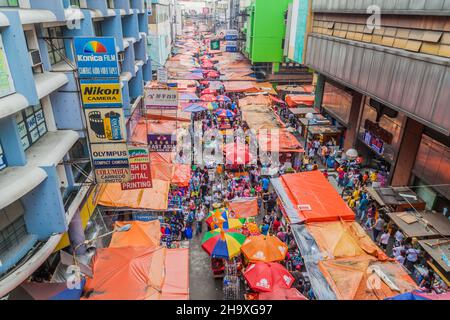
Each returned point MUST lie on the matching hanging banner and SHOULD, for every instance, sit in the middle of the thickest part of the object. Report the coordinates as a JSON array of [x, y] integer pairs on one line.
[[98, 93], [162, 75], [141, 176], [96, 57], [161, 99], [106, 125], [162, 143], [111, 163]]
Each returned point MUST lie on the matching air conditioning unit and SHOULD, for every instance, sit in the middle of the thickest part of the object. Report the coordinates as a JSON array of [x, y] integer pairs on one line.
[[35, 57], [121, 56]]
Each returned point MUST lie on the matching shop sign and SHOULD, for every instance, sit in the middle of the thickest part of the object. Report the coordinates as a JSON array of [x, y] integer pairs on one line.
[[111, 162], [374, 142], [145, 217], [98, 93], [215, 45], [162, 75], [96, 57], [141, 177], [6, 81], [161, 99], [106, 125], [162, 143]]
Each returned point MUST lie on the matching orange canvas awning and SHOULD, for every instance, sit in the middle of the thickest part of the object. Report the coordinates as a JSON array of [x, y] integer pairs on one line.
[[176, 282], [295, 100], [142, 234], [365, 278], [155, 198], [244, 208], [344, 239], [281, 141], [255, 100], [314, 190]]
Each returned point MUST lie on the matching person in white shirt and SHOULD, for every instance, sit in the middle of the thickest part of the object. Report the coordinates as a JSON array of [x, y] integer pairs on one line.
[[399, 237], [412, 255], [400, 257], [384, 239]]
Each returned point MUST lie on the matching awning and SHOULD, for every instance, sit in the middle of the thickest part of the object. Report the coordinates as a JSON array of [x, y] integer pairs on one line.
[[421, 224], [142, 234], [437, 249], [295, 100], [244, 207], [12, 104]]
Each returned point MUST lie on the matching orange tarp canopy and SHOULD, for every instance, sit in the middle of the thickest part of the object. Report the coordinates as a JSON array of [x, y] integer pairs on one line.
[[128, 273], [155, 198], [244, 208], [163, 168], [284, 142], [344, 239], [255, 100], [139, 273], [313, 189], [359, 278], [176, 282], [240, 86], [295, 100], [142, 234]]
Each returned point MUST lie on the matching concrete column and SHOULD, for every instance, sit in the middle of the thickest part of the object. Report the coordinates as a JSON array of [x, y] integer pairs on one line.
[[406, 158], [319, 91], [353, 122], [76, 234]]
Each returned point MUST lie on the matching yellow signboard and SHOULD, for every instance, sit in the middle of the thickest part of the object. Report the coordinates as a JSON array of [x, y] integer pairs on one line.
[[96, 93]]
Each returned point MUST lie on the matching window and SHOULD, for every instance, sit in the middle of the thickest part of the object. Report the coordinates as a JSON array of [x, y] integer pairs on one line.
[[337, 101], [98, 29], [12, 235], [58, 49], [75, 3], [31, 125], [9, 3], [110, 4], [3, 163]]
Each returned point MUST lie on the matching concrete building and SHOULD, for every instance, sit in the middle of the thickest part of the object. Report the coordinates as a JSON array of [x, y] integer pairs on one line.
[[160, 36], [385, 78], [45, 171]]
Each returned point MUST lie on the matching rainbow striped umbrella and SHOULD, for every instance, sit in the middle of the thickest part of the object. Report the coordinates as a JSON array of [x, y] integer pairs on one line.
[[212, 106], [223, 99], [223, 244], [219, 219]]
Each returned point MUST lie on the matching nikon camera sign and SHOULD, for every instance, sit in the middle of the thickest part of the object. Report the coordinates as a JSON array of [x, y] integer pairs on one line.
[[97, 93]]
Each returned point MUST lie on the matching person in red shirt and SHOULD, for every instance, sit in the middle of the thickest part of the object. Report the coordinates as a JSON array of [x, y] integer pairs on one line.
[[276, 225]]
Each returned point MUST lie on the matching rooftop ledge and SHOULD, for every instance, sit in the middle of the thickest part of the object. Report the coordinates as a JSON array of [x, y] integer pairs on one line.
[[29, 16], [49, 82], [12, 104]]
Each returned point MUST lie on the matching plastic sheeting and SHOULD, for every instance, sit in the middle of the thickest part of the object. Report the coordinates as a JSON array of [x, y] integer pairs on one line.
[[255, 100], [340, 239], [142, 234], [244, 208], [155, 198], [312, 189]]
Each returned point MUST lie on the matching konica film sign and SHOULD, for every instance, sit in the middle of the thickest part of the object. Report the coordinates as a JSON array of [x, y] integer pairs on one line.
[[101, 93], [96, 57]]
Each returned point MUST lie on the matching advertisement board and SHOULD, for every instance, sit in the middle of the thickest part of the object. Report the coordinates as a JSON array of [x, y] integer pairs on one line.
[[96, 57], [161, 99], [162, 143], [215, 45], [141, 176], [111, 162], [162, 75], [6, 82], [98, 93], [105, 125]]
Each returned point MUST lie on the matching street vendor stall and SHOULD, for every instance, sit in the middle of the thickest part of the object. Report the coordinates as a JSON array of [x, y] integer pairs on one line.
[[421, 224], [324, 132], [398, 198], [439, 251], [304, 123]]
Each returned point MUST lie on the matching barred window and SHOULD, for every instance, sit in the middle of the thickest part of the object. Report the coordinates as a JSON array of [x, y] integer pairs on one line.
[[31, 125], [58, 48]]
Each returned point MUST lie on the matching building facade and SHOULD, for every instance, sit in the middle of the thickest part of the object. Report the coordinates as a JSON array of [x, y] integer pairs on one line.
[[384, 75], [161, 28], [45, 172]]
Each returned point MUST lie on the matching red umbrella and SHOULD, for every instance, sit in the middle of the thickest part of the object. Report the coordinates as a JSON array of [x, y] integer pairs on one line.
[[238, 154], [266, 276], [207, 64], [208, 98], [213, 74], [209, 91], [204, 82]]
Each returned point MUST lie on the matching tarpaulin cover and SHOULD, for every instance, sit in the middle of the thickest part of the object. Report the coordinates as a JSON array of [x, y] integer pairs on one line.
[[128, 273], [155, 198], [244, 208], [176, 282], [365, 278], [255, 100], [142, 234], [163, 168], [260, 117], [418, 295], [313, 189], [282, 294], [295, 100], [344, 239], [240, 86], [279, 141]]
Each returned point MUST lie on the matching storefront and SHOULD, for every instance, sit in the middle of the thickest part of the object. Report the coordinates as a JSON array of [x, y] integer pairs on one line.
[[379, 135], [431, 174]]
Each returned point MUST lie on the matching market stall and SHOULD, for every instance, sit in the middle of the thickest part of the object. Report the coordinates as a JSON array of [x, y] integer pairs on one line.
[[421, 224], [397, 198]]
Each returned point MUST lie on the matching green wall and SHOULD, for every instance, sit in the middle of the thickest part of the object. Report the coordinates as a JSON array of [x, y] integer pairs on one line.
[[266, 30]]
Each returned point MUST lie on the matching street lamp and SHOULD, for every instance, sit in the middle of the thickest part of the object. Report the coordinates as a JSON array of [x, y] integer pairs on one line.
[[309, 116]]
